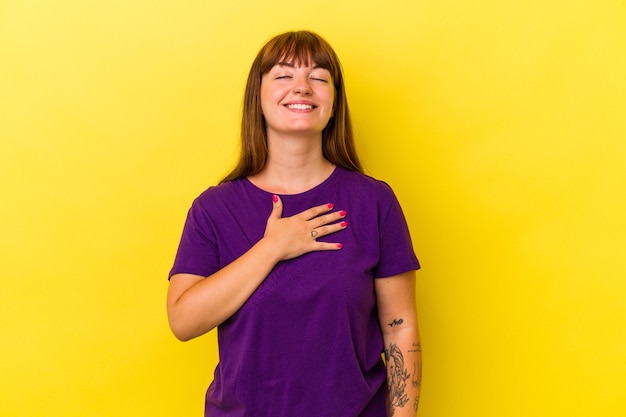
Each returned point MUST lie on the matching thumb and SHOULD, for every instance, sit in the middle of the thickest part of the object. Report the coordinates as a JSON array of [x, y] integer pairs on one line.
[[277, 208]]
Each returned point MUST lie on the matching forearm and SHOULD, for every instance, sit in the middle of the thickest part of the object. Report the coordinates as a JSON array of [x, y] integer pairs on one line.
[[403, 356], [196, 304], [212, 300]]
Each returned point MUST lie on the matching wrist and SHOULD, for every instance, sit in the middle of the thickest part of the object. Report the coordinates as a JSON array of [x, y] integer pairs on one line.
[[267, 250]]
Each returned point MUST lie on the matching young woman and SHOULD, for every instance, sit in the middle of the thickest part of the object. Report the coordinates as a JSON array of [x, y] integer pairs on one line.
[[303, 263]]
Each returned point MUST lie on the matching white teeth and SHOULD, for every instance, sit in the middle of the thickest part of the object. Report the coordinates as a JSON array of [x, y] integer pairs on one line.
[[300, 106]]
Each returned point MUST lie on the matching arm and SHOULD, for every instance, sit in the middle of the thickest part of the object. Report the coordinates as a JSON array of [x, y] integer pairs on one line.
[[196, 304], [395, 298]]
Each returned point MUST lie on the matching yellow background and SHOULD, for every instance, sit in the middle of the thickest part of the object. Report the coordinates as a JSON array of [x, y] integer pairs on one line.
[[500, 124]]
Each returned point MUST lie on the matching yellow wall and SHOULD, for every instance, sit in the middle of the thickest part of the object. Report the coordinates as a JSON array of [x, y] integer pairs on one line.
[[501, 125]]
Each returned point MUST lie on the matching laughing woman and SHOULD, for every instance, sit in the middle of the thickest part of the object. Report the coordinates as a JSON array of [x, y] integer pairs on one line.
[[303, 263]]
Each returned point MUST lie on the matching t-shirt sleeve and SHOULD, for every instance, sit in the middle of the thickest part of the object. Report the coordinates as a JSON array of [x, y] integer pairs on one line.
[[197, 252], [396, 248]]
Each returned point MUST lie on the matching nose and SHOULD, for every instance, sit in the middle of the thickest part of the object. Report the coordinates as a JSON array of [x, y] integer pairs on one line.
[[302, 86]]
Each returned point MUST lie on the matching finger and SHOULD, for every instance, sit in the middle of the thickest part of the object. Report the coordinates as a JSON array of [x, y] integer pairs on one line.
[[277, 207], [316, 211], [328, 218], [320, 246], [331, 228]]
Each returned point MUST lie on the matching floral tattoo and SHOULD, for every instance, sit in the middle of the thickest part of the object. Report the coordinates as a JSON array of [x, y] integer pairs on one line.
[[397, 376]]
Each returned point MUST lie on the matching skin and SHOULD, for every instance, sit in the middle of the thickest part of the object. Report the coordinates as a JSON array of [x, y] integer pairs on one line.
[[297, 103], [397, 313]]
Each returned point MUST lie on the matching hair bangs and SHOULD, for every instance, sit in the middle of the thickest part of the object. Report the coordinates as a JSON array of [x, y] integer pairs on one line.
[[300, 49]]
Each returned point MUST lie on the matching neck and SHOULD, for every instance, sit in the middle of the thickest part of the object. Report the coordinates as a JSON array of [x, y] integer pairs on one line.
[[294, 165]]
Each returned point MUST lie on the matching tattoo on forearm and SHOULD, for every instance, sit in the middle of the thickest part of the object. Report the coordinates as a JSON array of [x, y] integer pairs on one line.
[[416, 379], [395, 322], [397, 376]]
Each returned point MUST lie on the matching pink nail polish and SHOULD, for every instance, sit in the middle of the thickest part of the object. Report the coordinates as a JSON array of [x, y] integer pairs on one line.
[[339, 245], [331, 205], [275, 198], [343, 213], [343, 224]]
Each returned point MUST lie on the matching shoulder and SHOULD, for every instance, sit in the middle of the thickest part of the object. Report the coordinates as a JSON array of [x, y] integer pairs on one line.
[[366, 184], [217, 202], [217, 194], [214, 206]]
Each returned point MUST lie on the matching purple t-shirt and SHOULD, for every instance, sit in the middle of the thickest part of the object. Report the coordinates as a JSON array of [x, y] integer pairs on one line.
[[307, 342]]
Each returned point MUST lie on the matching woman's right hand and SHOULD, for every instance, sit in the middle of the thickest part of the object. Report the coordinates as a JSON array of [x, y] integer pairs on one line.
[[196, 304], [296, 235]]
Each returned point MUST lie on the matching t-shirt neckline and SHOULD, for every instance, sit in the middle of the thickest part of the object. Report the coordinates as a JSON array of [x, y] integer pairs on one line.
[[326, 181]]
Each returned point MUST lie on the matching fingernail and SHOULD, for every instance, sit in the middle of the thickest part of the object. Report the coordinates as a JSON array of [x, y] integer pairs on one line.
[[343, 224], [331, 205], [343, 213], [275, 198], [339, 245]]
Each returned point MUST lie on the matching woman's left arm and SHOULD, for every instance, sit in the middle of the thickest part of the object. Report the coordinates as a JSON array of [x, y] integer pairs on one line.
[[397, 312]]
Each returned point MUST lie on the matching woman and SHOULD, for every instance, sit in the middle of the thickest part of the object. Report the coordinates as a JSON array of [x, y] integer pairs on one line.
[[303, 263]]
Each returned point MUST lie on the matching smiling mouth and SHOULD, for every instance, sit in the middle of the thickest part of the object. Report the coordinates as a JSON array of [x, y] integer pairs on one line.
[[300, 106]]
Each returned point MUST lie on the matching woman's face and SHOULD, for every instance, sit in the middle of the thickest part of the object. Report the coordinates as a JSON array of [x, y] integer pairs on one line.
[[297, 99]]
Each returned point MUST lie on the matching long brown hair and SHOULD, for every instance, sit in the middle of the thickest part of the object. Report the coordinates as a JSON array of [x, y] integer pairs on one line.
[[301, 48]]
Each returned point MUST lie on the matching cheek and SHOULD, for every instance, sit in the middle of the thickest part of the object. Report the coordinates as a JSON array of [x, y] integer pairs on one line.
[[270, 96], [330, 97], [331, 103], [264, 98]]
